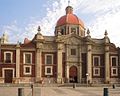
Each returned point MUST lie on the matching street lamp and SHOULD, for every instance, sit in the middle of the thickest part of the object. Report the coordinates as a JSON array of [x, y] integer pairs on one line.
[[87, 74], [32, 89]]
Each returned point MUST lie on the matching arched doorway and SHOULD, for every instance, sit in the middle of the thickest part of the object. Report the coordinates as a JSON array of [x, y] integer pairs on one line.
[[73, 74]]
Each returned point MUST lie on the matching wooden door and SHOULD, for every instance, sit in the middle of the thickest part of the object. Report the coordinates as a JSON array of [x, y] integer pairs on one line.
[[8, 76], [73, 74]]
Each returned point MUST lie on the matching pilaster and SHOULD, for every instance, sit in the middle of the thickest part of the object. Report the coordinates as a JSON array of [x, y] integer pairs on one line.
[[79, 65], [107, 66], [67, 64], [39, 40], [0, 50], [17, 63], [89, 63], [59, 64], [38, 65], [67, 73]]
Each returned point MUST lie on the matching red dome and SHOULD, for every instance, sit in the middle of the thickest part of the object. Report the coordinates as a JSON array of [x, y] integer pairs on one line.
[[69, 19]]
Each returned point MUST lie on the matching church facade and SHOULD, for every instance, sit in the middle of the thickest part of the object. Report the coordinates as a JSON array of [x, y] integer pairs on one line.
[[71, 55]]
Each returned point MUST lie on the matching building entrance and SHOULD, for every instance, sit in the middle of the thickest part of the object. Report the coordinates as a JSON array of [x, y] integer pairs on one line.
[[73, 74], [8, 76]]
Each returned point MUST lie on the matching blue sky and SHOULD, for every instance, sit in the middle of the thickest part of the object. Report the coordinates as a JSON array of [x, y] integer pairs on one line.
[[20, 9], [20, 18]]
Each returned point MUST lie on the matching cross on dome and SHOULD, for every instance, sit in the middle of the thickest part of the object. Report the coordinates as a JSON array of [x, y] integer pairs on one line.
[[39, 29], [68, 2]]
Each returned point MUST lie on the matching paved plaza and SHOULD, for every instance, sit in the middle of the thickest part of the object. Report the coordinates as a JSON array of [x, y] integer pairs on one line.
[[59, 91]]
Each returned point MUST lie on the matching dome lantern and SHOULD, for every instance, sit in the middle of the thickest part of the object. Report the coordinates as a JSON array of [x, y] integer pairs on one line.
[[70, 21], [69, 10], [69, 18]]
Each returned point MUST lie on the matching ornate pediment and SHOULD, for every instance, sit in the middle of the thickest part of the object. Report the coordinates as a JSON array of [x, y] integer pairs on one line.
[[72, 40]]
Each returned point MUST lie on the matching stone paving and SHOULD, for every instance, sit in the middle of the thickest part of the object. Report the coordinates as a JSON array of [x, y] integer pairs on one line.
[[59, 91]]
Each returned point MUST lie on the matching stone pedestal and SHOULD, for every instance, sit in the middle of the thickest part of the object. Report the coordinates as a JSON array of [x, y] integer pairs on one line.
[[60, 80]]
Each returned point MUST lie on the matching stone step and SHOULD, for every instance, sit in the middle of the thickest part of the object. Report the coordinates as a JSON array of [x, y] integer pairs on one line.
[[59, 85]]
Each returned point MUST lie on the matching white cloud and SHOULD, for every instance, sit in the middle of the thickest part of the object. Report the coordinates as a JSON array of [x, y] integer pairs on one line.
[[106, 16], [54, 10], [107, 21], [53, 13], [98, 6], [13, 31]]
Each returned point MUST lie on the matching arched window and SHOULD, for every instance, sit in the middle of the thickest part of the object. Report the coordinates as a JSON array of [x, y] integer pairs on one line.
[[8, 57]]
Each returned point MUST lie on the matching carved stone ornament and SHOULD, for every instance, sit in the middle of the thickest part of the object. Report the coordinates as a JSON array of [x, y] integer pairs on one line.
[[39, 45], [89, 50], [49, 46], [72, 40], [106, 49], [40, 36], [60, 46]]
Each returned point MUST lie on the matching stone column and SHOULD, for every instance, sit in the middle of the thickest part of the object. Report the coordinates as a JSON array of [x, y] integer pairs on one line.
[[107, 66], [67, 64], [79, 65], [89, 63], [0, 50], [67, 73], [79, 73], [38, 65], [59, 64], [17, 63]]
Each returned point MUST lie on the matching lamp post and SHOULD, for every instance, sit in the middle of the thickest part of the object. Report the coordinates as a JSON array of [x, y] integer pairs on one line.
[[87, 74], [32, 89]]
